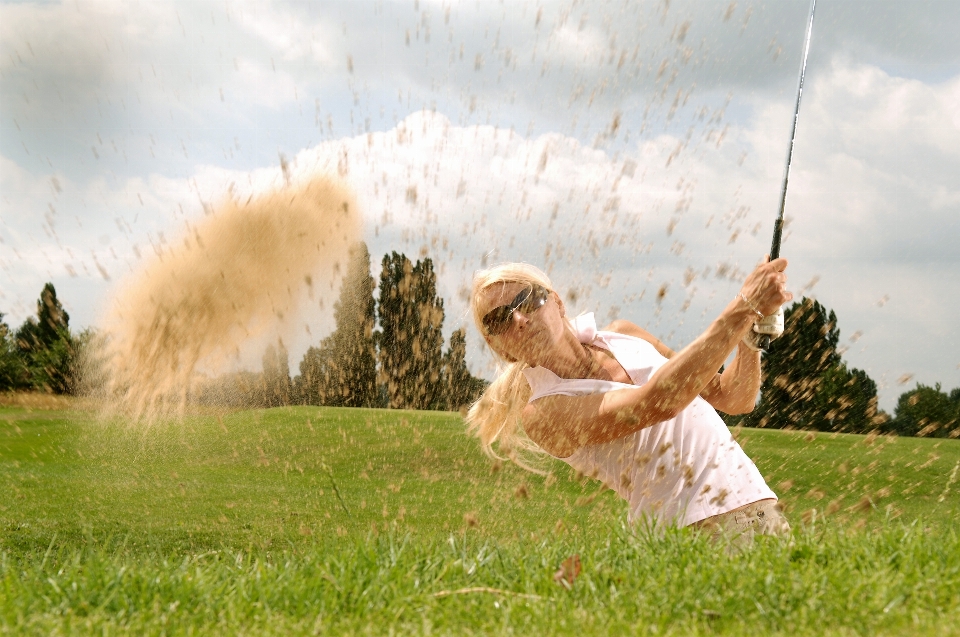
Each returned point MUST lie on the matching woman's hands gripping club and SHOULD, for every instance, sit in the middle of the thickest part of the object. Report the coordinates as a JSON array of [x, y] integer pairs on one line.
[[765, 291]]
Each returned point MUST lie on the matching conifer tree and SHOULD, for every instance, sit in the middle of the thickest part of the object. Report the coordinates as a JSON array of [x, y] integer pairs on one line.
[[45, 346], [461, 387], [846, 401], [455, 372], [394, 314], [806, 385], [276, 376], [427, 371], [343, 370], [11, 368], [410, 338], [311, 382], [53, 322]]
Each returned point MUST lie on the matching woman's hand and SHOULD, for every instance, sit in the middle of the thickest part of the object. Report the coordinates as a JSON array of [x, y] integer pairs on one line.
[[765, 288]]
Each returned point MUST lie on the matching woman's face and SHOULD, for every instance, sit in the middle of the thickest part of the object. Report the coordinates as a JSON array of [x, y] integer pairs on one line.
[[529, 336]]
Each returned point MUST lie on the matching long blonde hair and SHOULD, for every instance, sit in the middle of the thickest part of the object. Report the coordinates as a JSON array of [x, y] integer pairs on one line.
[[495, 417]]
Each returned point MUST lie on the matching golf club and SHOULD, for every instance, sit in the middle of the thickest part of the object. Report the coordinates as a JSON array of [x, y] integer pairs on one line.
[[770, 324]]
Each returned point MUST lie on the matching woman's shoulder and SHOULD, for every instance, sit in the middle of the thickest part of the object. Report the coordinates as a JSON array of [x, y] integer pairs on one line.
[[628, 328], [585, 327], [624, 327]]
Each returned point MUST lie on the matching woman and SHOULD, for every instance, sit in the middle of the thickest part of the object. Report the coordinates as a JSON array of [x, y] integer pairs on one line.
[[620, 406]]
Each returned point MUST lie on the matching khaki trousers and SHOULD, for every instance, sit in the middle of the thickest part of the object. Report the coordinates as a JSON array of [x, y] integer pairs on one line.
[[742, 525]]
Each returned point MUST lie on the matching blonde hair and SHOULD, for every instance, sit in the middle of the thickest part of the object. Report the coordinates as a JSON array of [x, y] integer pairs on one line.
[[495, 417]]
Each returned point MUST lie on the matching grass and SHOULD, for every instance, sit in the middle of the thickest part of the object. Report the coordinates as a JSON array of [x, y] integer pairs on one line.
[[336, 521]]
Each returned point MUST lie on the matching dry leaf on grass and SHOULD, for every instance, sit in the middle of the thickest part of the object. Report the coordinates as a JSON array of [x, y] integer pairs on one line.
[[568, 572]]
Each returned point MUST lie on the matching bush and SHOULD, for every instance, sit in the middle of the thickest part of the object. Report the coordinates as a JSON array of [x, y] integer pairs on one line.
[[927, 411]]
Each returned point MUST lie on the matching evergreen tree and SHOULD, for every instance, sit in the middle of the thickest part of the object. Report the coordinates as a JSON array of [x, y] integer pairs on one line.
[[342, 371], [311, 384], [45, 346], [410, 338], [456, 376], [90, 369], [394, 346], [276, 376], [806, 385], [461, 387], [427, 369], [846, 400], [350, 368], [11, 367], [53, 322], [926, 411], [795, 367]]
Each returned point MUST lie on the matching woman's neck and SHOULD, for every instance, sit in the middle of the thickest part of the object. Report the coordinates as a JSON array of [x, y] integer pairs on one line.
[[574, 360]]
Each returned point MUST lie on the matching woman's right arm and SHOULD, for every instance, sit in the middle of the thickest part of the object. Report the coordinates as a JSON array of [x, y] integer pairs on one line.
[[563, 424]]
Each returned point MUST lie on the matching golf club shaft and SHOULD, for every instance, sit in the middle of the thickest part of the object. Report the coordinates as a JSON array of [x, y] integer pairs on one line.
[[778, 224]]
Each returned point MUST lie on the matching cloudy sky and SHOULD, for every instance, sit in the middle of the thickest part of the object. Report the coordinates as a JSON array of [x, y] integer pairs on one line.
[[633, 149]]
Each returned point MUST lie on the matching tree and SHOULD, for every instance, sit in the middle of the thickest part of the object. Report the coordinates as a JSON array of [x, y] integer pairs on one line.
[[460, 386], [53, 322], [410, 338], [806, 385], [347, 375], [427, 369], [90, 369], [846, 400], [310, 385], [45, 346], [11, 367], [342, 371], [276, 376], [394, 346], [926, 411]]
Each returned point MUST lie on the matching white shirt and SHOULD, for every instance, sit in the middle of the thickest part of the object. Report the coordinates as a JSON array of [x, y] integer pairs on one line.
[[678, 471]]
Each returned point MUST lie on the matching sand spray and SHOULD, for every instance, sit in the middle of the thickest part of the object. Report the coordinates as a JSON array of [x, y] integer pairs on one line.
[[231, 277]]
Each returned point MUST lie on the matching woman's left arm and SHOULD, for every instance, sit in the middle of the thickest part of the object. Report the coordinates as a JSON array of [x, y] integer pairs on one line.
[[733, 392]]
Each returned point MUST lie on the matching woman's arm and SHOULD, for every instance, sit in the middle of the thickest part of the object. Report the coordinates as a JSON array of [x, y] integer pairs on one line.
[[735, 390], [732, 392], [563, 424]]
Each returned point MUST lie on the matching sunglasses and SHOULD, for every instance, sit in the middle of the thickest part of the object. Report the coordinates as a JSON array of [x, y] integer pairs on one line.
[[497, 321]]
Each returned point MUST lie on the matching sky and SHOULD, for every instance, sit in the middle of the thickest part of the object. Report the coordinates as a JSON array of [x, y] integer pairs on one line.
[[634, 150]]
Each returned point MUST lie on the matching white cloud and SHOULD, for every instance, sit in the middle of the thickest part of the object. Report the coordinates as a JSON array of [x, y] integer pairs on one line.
[[290, 34]]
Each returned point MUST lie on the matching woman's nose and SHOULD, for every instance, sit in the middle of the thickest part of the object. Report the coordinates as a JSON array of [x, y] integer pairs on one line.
[[519, 318]]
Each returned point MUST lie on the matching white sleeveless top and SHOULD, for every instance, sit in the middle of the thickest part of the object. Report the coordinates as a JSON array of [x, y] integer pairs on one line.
[[676, 472]]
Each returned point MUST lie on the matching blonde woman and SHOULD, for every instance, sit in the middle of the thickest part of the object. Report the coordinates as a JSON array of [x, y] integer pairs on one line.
[[620, 406]]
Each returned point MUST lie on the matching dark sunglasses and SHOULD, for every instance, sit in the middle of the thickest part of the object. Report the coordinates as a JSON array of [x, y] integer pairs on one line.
[[531, 299]]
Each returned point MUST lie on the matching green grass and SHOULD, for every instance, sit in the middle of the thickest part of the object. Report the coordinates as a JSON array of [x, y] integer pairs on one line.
[[335, 521]]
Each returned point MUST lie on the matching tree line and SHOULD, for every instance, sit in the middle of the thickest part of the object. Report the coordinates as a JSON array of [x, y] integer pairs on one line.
[[387, 350]]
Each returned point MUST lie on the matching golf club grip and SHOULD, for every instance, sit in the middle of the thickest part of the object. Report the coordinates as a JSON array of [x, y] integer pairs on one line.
[[774, 254], [777, 234], [764, 343]]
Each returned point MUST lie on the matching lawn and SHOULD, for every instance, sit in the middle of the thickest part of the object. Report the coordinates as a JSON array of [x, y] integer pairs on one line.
[[337, 521]]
